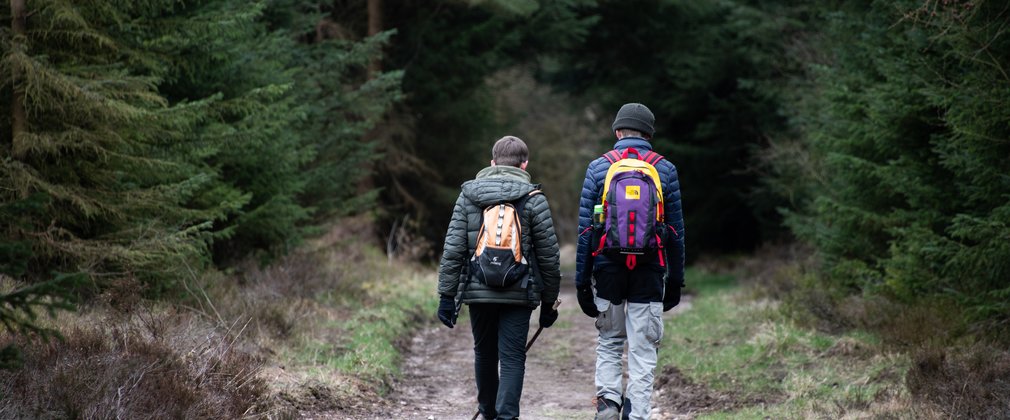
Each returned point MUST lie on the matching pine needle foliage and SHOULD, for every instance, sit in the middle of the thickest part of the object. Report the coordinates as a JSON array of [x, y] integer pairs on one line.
[[163, 135], [909, 132], [149, 139], [283, 139], [20, 309], [248, 145], [92, 179], [344, 109]]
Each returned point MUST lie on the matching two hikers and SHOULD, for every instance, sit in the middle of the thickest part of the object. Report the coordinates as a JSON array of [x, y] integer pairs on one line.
[[624, 284], [627, 294], [494, 209]]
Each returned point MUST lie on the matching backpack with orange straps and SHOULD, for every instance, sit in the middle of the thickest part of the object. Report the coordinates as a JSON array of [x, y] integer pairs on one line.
[[498, 259]]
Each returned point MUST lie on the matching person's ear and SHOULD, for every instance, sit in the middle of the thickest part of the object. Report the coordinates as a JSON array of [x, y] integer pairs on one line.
[[523, 165], [492, 162], [618, 134]]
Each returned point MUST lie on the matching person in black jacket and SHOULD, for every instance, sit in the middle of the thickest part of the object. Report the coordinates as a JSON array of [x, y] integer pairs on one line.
[[628, 303], [500, 317]]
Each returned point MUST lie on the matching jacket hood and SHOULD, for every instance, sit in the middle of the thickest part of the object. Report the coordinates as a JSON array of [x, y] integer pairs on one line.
[[496, 184]]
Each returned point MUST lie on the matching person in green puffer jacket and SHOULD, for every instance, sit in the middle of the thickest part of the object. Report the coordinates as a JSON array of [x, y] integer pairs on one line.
[[500, 317]]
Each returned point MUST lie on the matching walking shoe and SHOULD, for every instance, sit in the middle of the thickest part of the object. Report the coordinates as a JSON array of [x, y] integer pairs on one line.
[[607, 410]]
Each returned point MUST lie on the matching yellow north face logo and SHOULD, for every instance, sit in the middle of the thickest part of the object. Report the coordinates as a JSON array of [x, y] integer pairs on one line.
[[632, 192]]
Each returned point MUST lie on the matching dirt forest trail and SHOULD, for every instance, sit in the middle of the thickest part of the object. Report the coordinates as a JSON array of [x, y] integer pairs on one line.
[[437, 374], [438, 371]]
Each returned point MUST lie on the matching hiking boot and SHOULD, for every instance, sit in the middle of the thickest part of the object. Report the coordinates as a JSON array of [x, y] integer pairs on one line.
[[607, 410]]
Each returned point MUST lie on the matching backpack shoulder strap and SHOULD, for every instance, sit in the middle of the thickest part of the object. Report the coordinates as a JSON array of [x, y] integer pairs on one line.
[[612, 156], [532, 260], [521, 203], [652, 158]]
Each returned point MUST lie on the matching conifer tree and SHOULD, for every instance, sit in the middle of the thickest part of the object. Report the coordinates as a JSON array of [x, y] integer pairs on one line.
[[294, 109], [249, 146], [343, 107], [91, 174], [91, 193], [908, 131]]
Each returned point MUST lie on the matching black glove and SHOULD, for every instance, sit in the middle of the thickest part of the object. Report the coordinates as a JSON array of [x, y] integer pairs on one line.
[[547, 315], [586, 302], [447, 311], [672, 296]]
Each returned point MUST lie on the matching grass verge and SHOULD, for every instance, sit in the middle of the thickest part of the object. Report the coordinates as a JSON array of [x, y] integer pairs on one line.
[[746, 348], [154, 362], [319, 330], [336, 320], [372, 330]]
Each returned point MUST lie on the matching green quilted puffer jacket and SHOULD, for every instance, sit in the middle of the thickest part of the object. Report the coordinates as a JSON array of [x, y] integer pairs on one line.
[[493, 185]]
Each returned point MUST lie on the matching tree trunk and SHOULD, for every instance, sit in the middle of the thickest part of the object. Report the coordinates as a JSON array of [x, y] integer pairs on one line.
[[374, 27], [19, 120], [367, 182]]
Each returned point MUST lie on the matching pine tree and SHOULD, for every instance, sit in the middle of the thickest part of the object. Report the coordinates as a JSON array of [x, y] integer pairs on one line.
[[248, 144], [909, 131], [284, 140], [343, 109], [90, 167]]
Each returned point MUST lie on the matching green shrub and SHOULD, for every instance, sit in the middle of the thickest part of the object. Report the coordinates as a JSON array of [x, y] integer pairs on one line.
[[903, 142]]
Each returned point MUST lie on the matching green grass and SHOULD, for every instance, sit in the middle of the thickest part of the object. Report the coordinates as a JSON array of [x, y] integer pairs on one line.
[[367, 346], [745, 347], [374, 330]]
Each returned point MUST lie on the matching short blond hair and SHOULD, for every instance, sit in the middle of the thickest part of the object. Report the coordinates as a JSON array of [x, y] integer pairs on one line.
[[510, 151]]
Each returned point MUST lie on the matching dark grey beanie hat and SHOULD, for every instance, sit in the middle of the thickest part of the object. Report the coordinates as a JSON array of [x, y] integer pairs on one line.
[[637, 117]]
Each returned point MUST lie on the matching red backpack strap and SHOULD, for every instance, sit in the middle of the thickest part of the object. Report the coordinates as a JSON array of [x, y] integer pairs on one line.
[[652, 158], [612, 156], [630, 150]]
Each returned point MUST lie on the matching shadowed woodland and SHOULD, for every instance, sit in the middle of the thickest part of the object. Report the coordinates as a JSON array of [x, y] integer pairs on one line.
[[228, 177]]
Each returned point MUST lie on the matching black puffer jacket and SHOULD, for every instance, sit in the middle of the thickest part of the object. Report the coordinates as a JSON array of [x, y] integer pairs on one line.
[[492, 185]]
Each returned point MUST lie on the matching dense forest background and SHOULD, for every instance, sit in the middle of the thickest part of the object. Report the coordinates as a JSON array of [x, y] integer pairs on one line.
[[144, 143]]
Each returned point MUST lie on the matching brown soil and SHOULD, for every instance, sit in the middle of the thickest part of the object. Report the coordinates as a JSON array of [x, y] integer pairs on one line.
[[437, 380]]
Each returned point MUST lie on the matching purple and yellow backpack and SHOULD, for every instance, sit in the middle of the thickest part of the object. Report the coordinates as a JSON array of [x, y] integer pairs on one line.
[[632, 202]]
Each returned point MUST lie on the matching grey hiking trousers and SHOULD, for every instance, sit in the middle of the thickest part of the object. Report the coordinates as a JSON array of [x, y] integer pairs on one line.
[[640, 325]]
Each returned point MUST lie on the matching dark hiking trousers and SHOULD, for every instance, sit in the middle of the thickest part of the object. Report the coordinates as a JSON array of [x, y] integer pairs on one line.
[[499, 335]]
